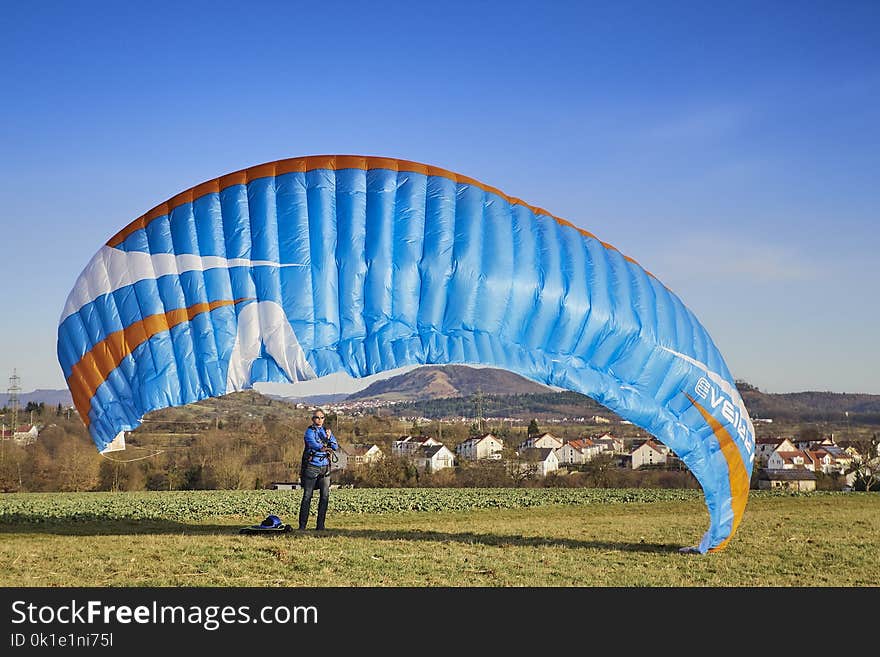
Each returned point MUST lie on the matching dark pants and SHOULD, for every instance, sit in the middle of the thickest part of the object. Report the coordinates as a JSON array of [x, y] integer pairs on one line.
[[312, 476]]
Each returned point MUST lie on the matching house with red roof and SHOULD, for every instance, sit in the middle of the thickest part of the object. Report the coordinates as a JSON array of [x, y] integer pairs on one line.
[[24, 434], [609, 443], [649, 452], [766, 445], [576, 452], [789, 460]]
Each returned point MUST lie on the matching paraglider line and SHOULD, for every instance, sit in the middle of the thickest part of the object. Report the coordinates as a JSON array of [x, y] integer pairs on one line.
[[139, 458]]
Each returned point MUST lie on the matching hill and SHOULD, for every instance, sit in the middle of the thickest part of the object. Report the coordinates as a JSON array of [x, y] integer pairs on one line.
[[811, 406], [440, 382], [450, 391], [542, 406], [48, 397]]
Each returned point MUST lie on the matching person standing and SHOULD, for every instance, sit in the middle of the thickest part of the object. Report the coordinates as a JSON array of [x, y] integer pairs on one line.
[[320, 445]]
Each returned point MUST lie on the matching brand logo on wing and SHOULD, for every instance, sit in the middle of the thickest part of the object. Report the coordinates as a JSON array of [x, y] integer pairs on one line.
[[730, 411]]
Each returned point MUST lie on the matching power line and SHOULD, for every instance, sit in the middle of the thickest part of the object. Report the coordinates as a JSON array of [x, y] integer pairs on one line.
[[12, 400]]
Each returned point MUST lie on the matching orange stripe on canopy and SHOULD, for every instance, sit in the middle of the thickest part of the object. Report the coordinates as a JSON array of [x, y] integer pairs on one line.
[[95, 366], [739, 477]]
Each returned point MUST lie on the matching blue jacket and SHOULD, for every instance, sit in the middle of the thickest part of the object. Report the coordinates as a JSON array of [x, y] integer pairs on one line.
[[313, 445]]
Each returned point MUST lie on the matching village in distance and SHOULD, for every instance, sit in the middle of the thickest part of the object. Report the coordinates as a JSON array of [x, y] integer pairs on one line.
[[435, 426]]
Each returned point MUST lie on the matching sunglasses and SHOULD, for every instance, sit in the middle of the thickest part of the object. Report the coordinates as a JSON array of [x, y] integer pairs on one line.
[[317, 417]]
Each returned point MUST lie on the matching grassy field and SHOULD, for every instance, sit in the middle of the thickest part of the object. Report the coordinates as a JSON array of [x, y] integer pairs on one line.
[[436, 537]]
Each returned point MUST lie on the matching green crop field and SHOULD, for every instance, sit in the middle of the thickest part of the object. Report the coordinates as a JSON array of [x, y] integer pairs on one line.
[[547, 537]]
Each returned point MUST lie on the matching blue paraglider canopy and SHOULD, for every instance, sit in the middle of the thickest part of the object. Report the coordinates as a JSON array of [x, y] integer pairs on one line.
[[298, 269]]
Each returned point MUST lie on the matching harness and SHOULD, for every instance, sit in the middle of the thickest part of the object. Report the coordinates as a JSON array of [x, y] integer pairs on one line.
[[308, 453]]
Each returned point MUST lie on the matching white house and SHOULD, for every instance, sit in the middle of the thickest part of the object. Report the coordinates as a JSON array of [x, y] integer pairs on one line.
[[572, 452], [830, 460], [541, 440], [609, 443], [593, 449], [578, 451], [765, 446], [486, 446], [357, 454], [543, 459], [409, 445], [24, 434], [788, 460], [433, 458], [820, 461], [649, 452], [840, 457]]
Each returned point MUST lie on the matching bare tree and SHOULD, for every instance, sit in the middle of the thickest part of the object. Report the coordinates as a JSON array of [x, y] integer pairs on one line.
[[865, 466], [79, 467], [12, 460], [598, 470], [229, 469]]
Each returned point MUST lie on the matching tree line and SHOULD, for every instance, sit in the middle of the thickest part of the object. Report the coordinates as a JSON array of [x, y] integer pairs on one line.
[[250, 450], [257, 441]]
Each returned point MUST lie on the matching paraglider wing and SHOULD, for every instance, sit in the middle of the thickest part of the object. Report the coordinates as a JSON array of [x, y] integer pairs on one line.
[[304, 267]]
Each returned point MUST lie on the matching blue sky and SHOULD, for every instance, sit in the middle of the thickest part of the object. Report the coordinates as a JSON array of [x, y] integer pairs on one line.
[[733, 149]]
